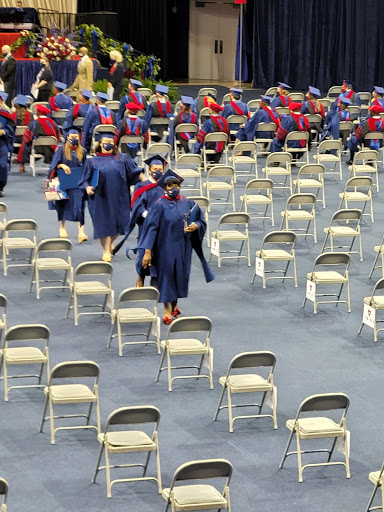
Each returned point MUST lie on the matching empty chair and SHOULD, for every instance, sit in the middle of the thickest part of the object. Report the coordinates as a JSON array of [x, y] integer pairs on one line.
[[4, 494], [235, 121], [365, 162], [28, 228], [271, 91], [258, 192], [326, 102], [116, 440], [159, 148], [329, 152], [43, 263], [232, 227], [303, 139], [177, 344], [25, 344], [99, 282], [319, 427], [190, 129], [311, 176], [188, 167], [300, 208], [199, 496], [221, 178], [329, 268], [358, 189], [3, 218], [334, 92], [277, 246], [3, 314], [241, 159], [204, 204], [73, 391], [239, 382], [375, 140], [279, 165], [344, 224], [136, 306], [379, 250], [376, 477], [373, 304], [296, 96], [217, 138]]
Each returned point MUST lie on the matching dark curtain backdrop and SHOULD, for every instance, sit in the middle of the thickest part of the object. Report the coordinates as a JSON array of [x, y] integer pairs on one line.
[[318, 42]]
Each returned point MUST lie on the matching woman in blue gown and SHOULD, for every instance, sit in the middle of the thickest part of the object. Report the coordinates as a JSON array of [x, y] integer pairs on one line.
[[67, 157], [107, 178], [7, 128], [174, 226]]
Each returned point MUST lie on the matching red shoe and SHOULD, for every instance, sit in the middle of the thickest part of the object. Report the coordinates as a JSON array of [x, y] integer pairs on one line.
[[176, 312], [167, 320]]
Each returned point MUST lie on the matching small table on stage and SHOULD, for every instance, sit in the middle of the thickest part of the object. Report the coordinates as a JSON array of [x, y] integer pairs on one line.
[[9, 38]]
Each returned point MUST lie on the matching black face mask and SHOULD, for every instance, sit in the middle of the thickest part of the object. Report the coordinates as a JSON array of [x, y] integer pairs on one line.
[[74, 142], [108, 146], [173, 192], [42, 64], [156, 175]]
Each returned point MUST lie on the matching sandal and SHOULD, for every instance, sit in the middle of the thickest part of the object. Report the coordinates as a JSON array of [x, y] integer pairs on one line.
[[176, 312], [167, 320]]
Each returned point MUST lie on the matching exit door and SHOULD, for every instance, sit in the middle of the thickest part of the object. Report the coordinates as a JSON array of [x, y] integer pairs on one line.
[[212, 40]]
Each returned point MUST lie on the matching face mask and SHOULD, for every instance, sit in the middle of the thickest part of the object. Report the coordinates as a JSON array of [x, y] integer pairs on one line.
[[156, 175], [173, 192], [5, 54], [42, 64], [108, 146], [74, 142], [81, 54]]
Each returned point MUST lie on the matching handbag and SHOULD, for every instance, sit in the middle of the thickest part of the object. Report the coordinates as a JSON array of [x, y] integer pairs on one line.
[[52, 190]]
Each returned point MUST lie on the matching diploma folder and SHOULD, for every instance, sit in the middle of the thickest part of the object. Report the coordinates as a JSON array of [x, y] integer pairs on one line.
[[68, 181], [95, 179]]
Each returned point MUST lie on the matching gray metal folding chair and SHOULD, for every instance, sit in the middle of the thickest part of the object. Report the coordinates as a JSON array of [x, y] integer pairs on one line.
[[232, 227], [334, 92], [376, 477], [214, 138], [358, 190], [297, 136], [188, 167], [115, 441], [318, 427], [376, 302], [189, 128], [344, 224], [27, 242], [3, 314], [258, 192], [204, 204], [379, 250], [300, 208], [4, 494], [325, 156], [234, 383]]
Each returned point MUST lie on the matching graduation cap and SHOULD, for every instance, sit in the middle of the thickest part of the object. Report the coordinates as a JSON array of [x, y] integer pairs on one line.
[[348, 83], [345, 101], [266, 99], [74, 129], [215, 107], [169, 176], [3, 95], [295, 106], [102, 96], [187, 100], [379, 90], [135, 83], [60, 86], [86, 94], [43, 110], [284, 86], [236, 91], [156, 160], [162, 89], [108, 135], [314, 91], [21, 100]]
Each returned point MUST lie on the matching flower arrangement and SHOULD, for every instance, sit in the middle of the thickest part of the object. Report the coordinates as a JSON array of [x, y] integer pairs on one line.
[[27, 38], [56, 47]]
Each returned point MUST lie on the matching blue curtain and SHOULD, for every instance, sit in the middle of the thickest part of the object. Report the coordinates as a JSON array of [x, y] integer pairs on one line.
[[319, 43], [244, 63]]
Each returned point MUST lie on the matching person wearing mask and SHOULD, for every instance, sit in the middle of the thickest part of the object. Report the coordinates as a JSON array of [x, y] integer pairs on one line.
[[133, 125], [7, 129], [132, 97], [116, 74], [70, 157], [98, 114], [185, 116], [174, 226], [84, 78], [107, 178], [44, 80], [8, 73]]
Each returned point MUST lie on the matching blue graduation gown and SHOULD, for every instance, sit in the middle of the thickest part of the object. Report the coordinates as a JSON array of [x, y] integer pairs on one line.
[[91, 120], [369, 125], [127, 99], [111, 203], [163, 234], [82, 112], [287, 125], [6, 146], [332, 122], [71, 209], [249, 130]]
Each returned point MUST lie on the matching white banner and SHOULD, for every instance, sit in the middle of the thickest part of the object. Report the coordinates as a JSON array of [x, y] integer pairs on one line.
[[208, 361], [215, 246], [311, 291], [342, 441], [259, 267], [369, 316], [269, 397]]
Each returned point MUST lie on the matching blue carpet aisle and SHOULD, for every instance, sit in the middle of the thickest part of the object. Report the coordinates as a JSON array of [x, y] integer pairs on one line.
[[315, 354]]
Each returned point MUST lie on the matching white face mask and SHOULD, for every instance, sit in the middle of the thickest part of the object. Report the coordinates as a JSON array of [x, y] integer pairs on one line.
[[81, 54]]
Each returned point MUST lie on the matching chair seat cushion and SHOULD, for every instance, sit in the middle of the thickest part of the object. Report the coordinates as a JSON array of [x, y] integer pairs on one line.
[[129, 438], [308, 182], [229, 235], [342, 231], [316, 425], [52, 263], [190, 495], [185, 346], [278, 171], [355, 196], [377, 303], [91, 287], [188, 173], [327, 276], [24, 355], [243, 160], [297, 214], [374, 477], [326, 158], [274, 254], [246, 382], [378, 248], [256, 199], [364, 168], [72, 393], [217, 185], [18, 243], [135, 315]]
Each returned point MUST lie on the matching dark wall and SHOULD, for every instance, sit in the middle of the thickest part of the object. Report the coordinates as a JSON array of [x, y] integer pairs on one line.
[[178, 38]]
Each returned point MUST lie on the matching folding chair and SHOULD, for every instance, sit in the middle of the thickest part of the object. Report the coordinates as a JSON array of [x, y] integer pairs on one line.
[[334, 92], [204, 204], [220, 178], [188, 128], [132, 139], [136, 306], [159, 148], [279, 164], [159, 121], [236, 120], [188, 167], [354, 114], [113, 105], [336, 265], [251, 159], [3, 317], [248, 382], [227, 99], [210, 138], [59, 115], [300, 208], [4, 494], [101, 128], [203, 115], [282, 111], [315, 119], [376, 477], [153, 98], [72, 393], [25, 344], [379, 249], [358, 189], [100, 271], [365, 162], [277, 246], [324, 156], [365, 97], [272, 91], [130, 441], [3, 220], [326, 102], [311, 176], [12, 243], [145, 91], [199, 496], [190, 346], [240, 221], [319, 427], [296, 96], [204, 91], [344, 224], [345, 129], [376, 303], [78, 122], [43, 263], [19, 132], [43, 140], [36, 103], [177, 107], [258, 192], [266, 138], [253, 106], [376, 136], [297, 137]]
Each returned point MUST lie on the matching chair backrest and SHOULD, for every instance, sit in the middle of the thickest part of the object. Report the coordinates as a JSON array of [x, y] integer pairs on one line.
[[190, 324], [160, 120], [79, 121], [220, 170], [216, 137], [113, 105], [204, 91], [133, 415], [227, 98], [354, 109], [266, 127], [54, 244], [3, 208], [130, 139], [253, 360], [70, 93], [21, 225], [307, 169], [44, 140], [146, 293], [74, 370], [245, 146], [378, 286], [20, 130], [28, 332], [178, 107], [234, 218], [236, 119], [158, 148], [189, 159], [204, 112], [313, 118], [59, 114], [374, 136], [365, 97], [327, 145], [145, 91], [103, 128], [280, 237], [359, 181], [364, 155], [325, 402], [296, 96], [154, 98], [295, 135], [346, 126], [334, 91], [259, 184], [202, 470], [278, 157], [282, 110], [332, 258], [93, 268], [253, 105], [271, 91], [300, 199], [3, 301], [347, 215], [186, 128], [201, 201], [326, 102]]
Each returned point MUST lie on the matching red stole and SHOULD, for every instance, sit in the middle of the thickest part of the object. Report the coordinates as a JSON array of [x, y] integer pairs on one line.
[[52, 104], [274, 117], [160, 106], [49, 128], [237, 109], [141, 190]]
